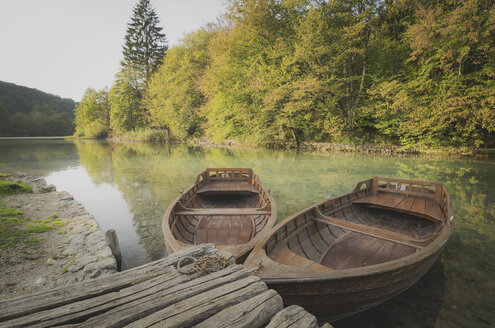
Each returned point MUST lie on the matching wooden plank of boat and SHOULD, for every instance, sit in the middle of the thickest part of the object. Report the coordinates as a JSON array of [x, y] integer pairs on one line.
[[224, 230], [220, 187], [405, 197], [222, 211], [228, 207], [352, 252], [372, 231]]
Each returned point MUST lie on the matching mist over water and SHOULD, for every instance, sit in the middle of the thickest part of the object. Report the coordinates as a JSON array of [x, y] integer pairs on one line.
[[128, 187]]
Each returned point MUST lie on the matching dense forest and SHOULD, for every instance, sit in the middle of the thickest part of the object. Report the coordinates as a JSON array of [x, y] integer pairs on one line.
[[30, 112], [408, 72]]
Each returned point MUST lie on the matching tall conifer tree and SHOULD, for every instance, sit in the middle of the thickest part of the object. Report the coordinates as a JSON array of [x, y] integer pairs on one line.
[[145, 44]]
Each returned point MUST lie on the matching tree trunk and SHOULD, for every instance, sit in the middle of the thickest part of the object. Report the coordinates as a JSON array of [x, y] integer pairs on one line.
[[365, 60], [295, 138]]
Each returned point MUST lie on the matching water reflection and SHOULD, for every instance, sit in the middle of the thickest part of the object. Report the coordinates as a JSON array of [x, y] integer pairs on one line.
[[129, 186], [36, 156], [105, 202]]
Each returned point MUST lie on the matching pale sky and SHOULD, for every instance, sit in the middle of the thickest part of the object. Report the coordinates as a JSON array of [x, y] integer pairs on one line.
[[65, 46]]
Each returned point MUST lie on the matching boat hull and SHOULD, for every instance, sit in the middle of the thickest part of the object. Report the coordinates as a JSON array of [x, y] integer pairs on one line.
[[335, 299], [228, 207], [352, 252]]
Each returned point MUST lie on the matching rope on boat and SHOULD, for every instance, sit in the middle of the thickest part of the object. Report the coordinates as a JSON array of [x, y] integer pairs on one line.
[[205, 264]]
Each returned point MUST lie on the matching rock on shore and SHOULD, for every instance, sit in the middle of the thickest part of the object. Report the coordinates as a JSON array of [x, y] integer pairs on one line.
[[74, 252]]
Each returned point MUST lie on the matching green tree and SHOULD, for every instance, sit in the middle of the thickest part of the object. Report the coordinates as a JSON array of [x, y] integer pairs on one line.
[[21, 125], [145, 44], [93, 114], [242, 58], [390, 71], [174, 96], [126, 112], [5, 124], [444, 94]]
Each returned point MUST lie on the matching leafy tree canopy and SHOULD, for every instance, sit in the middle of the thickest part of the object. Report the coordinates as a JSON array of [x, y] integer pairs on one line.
[[93, 114], [366, 71]]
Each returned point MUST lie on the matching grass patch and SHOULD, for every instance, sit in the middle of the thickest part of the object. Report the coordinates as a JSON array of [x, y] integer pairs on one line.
[[10, 220], [7, 187], [16, 229], [146, 135]]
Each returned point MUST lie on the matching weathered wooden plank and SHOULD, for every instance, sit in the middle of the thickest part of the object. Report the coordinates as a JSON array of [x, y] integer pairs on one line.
[[82, 310], [157, 300], [327, 325], [392, 200], [419, 206], [193, 310], [223, 211], [433, 209], [282, 254], [372, 231], [406, 204], [300, 262], [252, 313], [232, 186], [219, 230], [409, 193], [17, 307], [293, 316]]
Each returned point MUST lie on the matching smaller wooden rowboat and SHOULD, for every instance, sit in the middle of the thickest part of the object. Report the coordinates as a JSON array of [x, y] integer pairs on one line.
[[352, 252], [227, 207]]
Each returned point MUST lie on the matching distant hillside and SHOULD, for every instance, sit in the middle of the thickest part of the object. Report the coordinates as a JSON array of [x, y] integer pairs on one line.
[[30, 112]]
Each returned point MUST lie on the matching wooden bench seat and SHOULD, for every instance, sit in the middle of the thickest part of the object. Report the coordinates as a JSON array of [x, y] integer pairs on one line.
[[282, 254], [227, 187], [222, 211], [427, 208], [373, 231]]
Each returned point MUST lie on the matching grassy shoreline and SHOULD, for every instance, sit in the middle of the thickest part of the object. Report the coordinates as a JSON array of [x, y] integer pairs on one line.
[[15, 228]]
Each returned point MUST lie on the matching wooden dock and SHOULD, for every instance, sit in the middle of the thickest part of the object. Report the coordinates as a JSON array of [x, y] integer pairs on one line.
[[160, 294]]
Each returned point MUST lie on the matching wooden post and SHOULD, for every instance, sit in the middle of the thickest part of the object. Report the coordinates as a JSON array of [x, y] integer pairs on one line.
[[374, 186], [438, 193], [113, 243]]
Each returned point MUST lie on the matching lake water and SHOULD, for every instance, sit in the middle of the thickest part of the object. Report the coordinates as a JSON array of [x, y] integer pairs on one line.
[[127, 187]]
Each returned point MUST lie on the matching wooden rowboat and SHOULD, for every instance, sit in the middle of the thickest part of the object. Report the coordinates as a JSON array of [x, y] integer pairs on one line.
[[227, 207], [352, 252]]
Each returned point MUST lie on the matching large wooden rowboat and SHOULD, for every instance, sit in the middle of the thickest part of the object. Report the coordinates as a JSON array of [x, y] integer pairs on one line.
[[227, 207], [352, 252]]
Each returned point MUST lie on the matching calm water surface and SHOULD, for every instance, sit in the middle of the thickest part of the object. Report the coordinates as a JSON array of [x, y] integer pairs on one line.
[[127, 187]]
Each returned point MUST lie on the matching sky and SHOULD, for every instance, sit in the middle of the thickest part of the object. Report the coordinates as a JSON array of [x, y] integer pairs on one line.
[[65, 46]]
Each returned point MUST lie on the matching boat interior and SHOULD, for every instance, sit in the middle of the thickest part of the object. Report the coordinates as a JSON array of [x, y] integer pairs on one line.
[[224, 207], [383, 219]]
